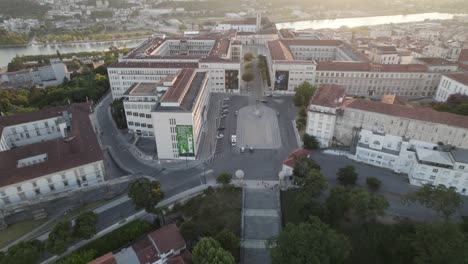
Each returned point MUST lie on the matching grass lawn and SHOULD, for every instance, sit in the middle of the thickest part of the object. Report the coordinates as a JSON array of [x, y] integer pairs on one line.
[[17, 230], [290, 213]]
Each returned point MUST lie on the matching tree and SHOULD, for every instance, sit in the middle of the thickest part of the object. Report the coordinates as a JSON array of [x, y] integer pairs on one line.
[[59, 55], [23, 253], [15, 64], [314, 183], [347, 175], [439, 198], [303, 94], [310, 142], [302, 166], [224, 179], [85, 225], [354, 202], [145, 194], [309, 242], [301, 123], [373, 183], [249, 56], [85, 70], [59, 238], [248, 66], [441, 242], [209, 251], [247, 77], [228, 240], [189, 230]]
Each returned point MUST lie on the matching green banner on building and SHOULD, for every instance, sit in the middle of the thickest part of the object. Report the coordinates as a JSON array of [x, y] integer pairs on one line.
[[185, 140]]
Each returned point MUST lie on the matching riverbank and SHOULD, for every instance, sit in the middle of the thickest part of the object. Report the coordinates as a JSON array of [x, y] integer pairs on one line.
[[74, 42], [376, 14]]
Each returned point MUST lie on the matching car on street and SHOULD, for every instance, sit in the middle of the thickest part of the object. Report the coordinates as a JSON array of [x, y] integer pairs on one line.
[[236, 113], [270, 95], [223, 116], [251, 150], [100, 104], [225, 105], [221, 128], [225, 111], [264, 101], [219, 136], [242, 149], [226, 99], [277, 114]]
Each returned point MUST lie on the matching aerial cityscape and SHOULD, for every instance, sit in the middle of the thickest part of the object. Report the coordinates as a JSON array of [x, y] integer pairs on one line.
[[253, 131]]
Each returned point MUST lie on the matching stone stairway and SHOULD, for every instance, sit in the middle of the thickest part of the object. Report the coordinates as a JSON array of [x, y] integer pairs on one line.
[[261, 220]]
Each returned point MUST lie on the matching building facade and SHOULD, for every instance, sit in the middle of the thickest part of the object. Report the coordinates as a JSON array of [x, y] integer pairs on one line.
[[455, 83], [46, 152]]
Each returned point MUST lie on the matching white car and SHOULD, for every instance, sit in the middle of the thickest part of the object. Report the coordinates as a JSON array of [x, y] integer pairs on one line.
[[219, 136]]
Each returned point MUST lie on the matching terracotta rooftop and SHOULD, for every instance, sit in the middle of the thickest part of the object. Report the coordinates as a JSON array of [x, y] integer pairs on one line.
[[435, 61], [143, 64], [80, 148], [364, 66], [104, 259], [176, 92], [279, 51], [416, 113], [285, 33], [459, 77], [311, 42], [463, 55], [328, 95], [291, 160], [145, 250], [167, 238]]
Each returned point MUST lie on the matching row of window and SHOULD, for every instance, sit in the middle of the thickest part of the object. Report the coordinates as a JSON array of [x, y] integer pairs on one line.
[[129, 113], [138, 124]]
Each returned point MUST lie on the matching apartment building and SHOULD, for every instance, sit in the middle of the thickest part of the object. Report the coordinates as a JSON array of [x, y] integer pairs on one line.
[[46, 152], [454, 83]]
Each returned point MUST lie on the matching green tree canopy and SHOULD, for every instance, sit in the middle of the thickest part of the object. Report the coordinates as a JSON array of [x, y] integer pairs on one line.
[[373, 183], [302, 166], [145, 194], [441, 242], [303, 94], [23, 253], [85, 225], [228, 240], [310, 142], [224, 179], [439, 198], [59, 238], [209, 251], [310, 242], [247, 77], [356, 203], [249, 56], [347, 175]]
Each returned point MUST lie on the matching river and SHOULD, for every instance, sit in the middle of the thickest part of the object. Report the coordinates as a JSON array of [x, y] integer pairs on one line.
[[363, 21], [6, 54]]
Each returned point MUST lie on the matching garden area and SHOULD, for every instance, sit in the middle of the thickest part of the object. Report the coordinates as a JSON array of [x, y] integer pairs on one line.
[[343, 224]]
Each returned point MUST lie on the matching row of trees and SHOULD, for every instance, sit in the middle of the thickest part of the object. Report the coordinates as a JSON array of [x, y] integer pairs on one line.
[[248, 74], [344, 228], [52, 38], [11, 38], [263, 67], [302, 98]]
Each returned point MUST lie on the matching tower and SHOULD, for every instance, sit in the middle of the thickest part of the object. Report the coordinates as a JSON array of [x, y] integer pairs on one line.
[[259, 21]]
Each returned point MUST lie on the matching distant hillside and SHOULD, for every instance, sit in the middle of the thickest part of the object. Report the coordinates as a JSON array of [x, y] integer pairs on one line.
[[22, 8]]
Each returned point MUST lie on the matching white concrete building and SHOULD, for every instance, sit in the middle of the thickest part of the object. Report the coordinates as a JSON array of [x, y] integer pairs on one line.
[[383, 54], [322, 111], [437, 64], [159, 57], [454, 83], [46, 152], [181, 115], [44, 76], [423, 162]]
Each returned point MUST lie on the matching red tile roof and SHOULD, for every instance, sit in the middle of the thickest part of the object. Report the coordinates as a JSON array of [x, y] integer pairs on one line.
[[167, 238], [435, 61], [463, 55], [143, 64], [176, 92], [459, 77], [364, 66], [279, 51], [311, 42], [328, 95], [416, 113], [104, 259], [145, 251], [291, 160], [80, 148]]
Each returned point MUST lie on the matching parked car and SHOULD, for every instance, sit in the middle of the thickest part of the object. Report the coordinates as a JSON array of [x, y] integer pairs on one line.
[[236, 113], [242, 149], [226, 99], [221, 128], [251, 150], [270, 95], [219, 136], [264, 101], [277, 114], [223, 116]]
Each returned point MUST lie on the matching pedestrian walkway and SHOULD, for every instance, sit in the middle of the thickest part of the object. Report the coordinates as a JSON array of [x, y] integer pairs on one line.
[[261, 219]]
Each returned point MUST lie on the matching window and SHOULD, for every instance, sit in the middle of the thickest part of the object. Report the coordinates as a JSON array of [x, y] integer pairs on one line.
[[150, 126], [142, 115], [461, 167], [130, 123], [129, 113], [148, 116], [432, 177], [435, 170]]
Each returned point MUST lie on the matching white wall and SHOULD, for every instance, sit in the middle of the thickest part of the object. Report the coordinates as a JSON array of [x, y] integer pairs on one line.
[[449, 86]]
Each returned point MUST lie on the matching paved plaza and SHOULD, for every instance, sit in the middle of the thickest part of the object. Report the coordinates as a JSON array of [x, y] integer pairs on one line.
[[257, 127]]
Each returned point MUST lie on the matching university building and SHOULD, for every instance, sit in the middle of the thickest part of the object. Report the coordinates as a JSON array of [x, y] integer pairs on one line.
[[46, 152]]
